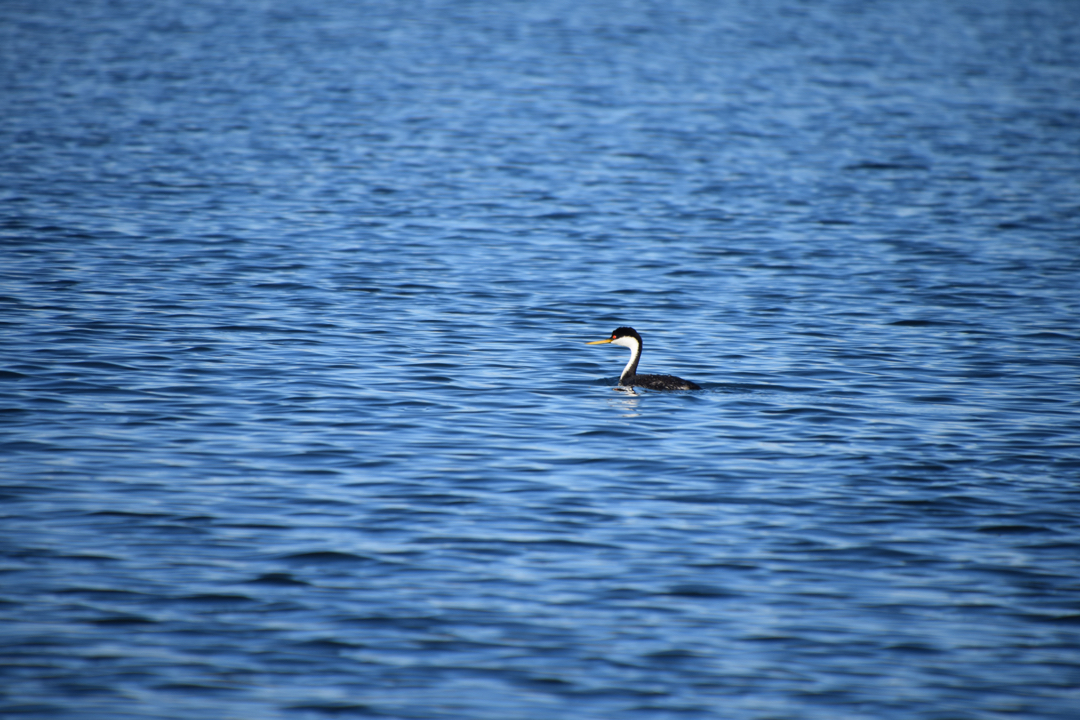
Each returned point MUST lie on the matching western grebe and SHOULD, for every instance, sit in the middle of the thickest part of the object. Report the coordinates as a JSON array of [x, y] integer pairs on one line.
[[629, 338]]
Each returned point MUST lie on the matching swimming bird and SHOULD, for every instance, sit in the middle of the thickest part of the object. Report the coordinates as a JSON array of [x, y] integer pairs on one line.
[[629, 338]]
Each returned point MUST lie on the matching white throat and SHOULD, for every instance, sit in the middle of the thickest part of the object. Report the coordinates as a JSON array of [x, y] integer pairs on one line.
[[635, 354]]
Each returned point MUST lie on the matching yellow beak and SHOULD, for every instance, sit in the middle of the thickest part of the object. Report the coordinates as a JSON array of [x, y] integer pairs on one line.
[[599, 342]]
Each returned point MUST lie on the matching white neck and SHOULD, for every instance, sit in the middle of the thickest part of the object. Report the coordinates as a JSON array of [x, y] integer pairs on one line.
[[635, 354]]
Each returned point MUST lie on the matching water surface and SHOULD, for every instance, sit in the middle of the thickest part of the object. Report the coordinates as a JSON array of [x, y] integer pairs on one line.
[[299, 422]]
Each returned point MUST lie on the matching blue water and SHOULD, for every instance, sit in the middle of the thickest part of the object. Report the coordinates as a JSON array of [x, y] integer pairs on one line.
[[298, 420]]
